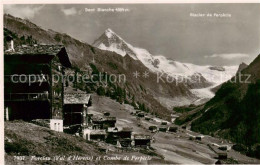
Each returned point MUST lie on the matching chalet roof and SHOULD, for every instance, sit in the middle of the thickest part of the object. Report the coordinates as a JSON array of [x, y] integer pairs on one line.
[[126, 129], [73, 96], [103, 118], [141, 137], [46, 50], [35, 50], [120, 129], [98, 132], [112, 129], [164, 127]]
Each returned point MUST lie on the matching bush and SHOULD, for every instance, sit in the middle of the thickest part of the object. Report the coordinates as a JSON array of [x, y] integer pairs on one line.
[[239, 147], [57, 38], [101, 91], [16, 148]]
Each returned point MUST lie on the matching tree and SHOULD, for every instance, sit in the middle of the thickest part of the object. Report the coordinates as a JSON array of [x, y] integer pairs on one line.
[[101, 91]]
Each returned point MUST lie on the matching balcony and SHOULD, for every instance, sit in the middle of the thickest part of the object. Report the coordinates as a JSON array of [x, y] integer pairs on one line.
[[23, 78], [26, 97]]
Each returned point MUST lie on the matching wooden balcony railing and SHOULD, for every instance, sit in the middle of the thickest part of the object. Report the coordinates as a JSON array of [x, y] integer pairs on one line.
[[26, 96], [22, 78]]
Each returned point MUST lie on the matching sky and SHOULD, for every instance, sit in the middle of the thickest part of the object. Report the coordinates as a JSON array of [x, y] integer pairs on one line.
[[162, 29]]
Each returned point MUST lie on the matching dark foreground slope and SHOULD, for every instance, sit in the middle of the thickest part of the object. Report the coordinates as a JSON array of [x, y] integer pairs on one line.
[[234, 113], [37, 144], [27, 139]]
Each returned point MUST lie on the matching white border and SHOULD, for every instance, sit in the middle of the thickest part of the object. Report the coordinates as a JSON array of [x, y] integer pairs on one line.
[[123, 1], [2, 153]]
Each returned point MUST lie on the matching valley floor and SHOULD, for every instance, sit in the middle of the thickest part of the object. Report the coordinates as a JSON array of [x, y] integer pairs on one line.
[[174, 147]]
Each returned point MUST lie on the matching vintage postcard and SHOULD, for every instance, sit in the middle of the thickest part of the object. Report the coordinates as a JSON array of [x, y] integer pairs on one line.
[[131, 83]]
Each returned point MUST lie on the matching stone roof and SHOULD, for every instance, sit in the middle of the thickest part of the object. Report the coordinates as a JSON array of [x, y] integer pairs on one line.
[[35, 49], [141, 137], [73, 96], [98, 118], [112, 129], [41, 50], [120, 129], [98, 132], [126, 129]]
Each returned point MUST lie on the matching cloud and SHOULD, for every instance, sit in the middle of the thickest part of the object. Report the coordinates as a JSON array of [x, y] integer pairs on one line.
[[228, 56], [23, 11], [70, 11]]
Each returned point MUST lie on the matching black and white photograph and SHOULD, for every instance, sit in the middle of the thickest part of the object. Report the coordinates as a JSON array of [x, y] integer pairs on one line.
[[131, 83]]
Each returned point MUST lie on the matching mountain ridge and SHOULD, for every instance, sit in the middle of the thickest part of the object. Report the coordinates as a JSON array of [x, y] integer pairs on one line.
[[234, 112], [115, 43], [209, 75]]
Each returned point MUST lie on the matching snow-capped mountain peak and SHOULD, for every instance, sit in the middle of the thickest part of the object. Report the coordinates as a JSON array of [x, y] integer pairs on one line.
[[214, 75], [111, 41], [108, 30], [109, 33]]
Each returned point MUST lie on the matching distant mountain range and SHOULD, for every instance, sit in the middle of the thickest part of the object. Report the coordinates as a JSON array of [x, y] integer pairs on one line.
[[211, 75]]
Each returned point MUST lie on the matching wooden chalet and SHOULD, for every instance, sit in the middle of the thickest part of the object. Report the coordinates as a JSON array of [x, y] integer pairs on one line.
[[172, 129], [103, 122], [141, 140], [120, 136], [75, 107], [28, 81]]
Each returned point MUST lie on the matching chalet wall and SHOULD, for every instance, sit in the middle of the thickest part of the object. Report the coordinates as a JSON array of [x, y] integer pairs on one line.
[[56, 125]]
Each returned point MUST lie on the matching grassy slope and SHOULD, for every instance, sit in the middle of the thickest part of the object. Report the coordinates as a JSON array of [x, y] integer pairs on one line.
[[22, 138], [27, 139]]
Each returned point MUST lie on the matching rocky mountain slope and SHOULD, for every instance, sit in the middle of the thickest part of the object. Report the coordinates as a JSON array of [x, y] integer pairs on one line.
[[234, 112], [241, 67]]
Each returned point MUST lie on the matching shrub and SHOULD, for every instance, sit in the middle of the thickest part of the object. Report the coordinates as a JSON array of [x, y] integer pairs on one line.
[[16, 147]]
